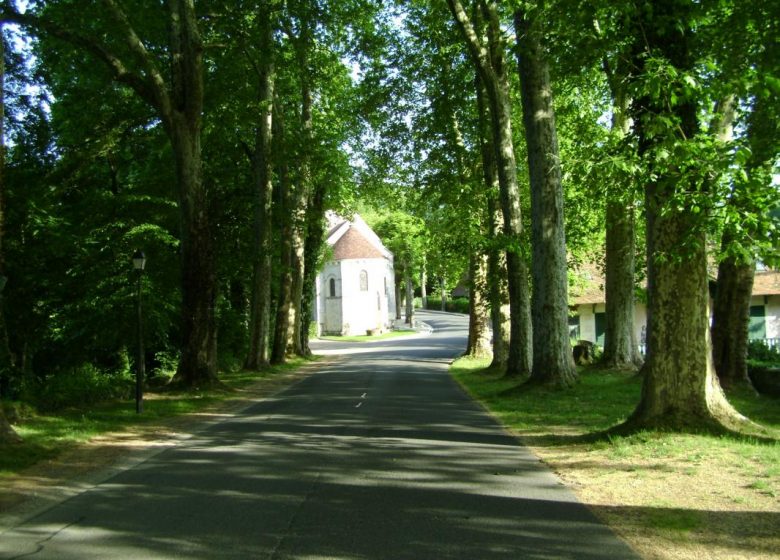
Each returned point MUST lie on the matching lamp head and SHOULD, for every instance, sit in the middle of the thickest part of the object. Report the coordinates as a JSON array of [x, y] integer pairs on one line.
[[139, 260]]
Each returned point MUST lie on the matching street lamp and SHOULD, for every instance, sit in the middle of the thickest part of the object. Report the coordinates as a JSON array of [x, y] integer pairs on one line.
[[139, 262]]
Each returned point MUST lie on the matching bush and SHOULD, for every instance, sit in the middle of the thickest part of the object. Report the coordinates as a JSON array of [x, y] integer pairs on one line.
[[455, 305], [761, 354], [81, 385]]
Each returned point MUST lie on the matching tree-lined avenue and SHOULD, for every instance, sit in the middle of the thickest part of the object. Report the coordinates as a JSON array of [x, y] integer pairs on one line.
[[377, 455]]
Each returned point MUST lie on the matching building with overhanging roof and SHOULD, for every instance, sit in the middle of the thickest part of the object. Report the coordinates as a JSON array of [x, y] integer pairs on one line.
[[588, 318], [355, 291]]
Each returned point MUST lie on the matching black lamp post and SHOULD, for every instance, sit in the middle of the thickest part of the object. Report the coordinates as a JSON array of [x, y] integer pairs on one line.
[[139, 262]]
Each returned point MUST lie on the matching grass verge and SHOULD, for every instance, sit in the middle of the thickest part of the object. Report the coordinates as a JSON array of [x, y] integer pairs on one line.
[[367, 338], [678, 496], [46, 436]]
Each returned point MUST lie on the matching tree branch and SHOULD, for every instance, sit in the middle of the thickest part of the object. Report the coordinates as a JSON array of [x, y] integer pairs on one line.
[[137, 47], [117, 67]]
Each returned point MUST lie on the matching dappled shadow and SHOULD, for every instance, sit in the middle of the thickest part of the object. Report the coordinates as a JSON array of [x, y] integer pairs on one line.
[[376, 457]]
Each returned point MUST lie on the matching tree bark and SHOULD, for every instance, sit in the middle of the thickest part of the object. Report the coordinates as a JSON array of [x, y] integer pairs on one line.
[[489, 62], [315, 233], [409, 294], [423, 287], [731, 307], [731, 318], [498, 288], [621, 350], [620, 345], [7, 433], [552, 357], [397, 297], [680, 389], [283, 328], [262, 167], [479, 314]]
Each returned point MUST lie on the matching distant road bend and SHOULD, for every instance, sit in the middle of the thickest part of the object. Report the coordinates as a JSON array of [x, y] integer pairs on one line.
[[379, 455]]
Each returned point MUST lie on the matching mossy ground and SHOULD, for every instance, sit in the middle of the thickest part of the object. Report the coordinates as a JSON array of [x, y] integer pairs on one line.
[[669, 495]]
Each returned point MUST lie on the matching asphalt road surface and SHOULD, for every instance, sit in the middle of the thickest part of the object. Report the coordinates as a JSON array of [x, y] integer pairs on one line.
[[379, 455]]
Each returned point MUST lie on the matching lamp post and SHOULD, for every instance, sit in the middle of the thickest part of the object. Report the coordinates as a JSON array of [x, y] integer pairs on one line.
[[139, 262]]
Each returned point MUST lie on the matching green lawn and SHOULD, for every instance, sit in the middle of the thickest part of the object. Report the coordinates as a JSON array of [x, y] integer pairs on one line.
[[367, 338], [48, 434], [669, 495]]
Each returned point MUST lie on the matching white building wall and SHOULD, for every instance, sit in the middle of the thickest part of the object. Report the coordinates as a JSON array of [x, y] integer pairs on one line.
[[587, 313], [355, 311], [772, 308]]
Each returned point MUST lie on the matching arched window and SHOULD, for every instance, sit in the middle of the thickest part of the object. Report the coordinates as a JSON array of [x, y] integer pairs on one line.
[[363, 281], [332, 287]]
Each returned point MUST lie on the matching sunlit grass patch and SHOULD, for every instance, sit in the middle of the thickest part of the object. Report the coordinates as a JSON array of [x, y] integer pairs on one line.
[[368, 338], [670, 495], [45, 435]]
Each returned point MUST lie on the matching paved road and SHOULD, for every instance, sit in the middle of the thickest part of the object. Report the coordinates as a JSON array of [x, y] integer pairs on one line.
[[379, 456]]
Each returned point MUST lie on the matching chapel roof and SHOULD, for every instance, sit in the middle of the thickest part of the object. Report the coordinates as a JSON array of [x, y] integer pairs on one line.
[[354, 239]]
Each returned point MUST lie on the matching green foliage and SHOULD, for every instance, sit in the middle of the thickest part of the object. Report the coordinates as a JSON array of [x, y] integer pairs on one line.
[[453, 305], [83, 386], [760, 353]]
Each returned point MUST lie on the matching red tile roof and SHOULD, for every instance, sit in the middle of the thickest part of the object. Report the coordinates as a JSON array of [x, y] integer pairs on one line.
[[766, 283], [353, 245]]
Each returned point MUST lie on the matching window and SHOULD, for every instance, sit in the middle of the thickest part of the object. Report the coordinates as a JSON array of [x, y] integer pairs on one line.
[[757, 328], [363, 281], [574, 327], [332, 286]]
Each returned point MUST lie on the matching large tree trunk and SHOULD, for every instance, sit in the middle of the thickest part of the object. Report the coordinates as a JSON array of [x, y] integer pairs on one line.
[[423, 287], [409, 297], [479, 314], [620, 345], [397, 297], [198, 365], [731, 318], [315, 233], [303, 193], [498, 288], [183, 113], [7, 433], [552, 357], [731, 308], [489, 62], [262, 166], [680, 389]]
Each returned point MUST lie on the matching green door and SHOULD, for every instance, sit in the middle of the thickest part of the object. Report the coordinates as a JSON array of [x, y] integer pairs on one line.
[[757, 328], [601, 326]]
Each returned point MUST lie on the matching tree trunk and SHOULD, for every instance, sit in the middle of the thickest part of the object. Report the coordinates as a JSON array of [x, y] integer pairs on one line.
[[731, 307], [423, 287], [260, 311], [680, 389], [7, 433], [315, 233], [397, 298], [498, 288], [489, 62], [620, 345], [409, 294], [731, 318], [303, 45], [198, 365], [552, 357], [479, 314]]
